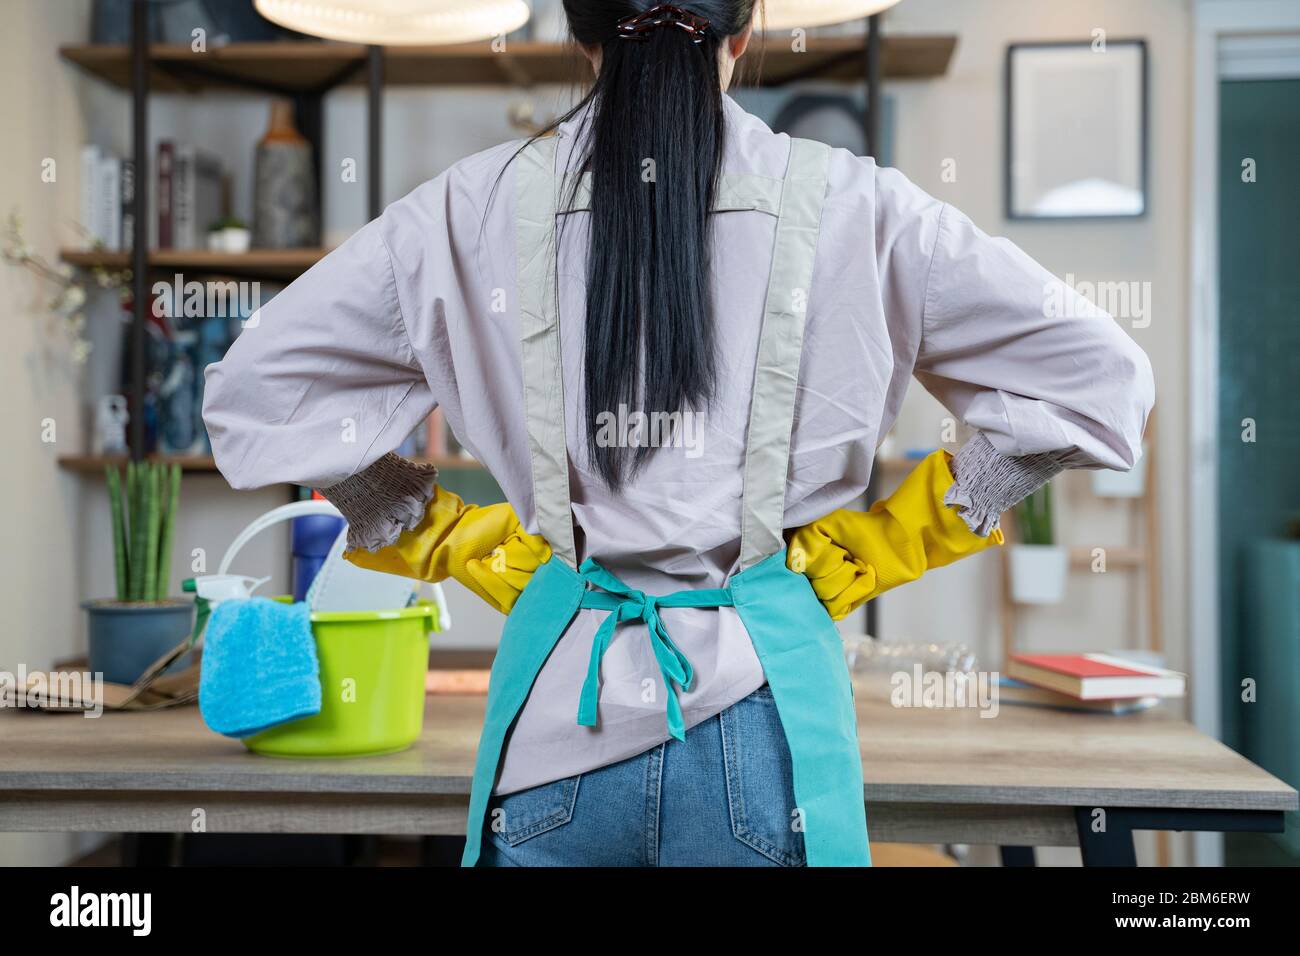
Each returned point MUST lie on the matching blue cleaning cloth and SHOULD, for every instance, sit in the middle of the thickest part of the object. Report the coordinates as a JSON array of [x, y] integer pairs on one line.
[[259, 667]]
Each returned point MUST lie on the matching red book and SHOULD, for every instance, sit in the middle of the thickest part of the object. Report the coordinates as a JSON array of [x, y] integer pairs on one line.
[[1096, 676]]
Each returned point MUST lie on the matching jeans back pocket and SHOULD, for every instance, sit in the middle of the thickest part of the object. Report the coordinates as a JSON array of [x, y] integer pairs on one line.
[[760, 780], [520, 816]]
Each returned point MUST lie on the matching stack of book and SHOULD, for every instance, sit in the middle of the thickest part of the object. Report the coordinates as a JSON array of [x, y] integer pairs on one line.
[[107, 195], [1099, 683], [188, 195]]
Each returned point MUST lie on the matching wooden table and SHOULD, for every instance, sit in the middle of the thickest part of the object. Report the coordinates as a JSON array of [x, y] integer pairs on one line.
[[1027, 777]]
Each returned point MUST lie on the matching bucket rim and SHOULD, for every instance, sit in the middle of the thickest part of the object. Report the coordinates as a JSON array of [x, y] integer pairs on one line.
[[421, 609]]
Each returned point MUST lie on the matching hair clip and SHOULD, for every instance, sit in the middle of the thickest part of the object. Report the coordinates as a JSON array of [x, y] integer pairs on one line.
[[663, 15]]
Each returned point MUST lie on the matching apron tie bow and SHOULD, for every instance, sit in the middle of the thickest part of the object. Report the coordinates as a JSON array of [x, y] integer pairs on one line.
[[629, 604]]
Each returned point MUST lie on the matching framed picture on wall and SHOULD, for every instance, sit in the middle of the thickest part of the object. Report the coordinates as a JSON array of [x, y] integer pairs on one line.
[[1076, 130]]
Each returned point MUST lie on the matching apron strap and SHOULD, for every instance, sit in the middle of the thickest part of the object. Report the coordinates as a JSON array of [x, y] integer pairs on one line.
[[539, 331], [780, 350]]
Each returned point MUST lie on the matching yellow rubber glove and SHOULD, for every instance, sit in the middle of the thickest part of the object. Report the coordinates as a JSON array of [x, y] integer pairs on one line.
[[486, 549], [851, 557]]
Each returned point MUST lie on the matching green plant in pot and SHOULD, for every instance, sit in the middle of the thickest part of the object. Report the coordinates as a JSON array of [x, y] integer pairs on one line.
[[131, 631], [1038, 566]]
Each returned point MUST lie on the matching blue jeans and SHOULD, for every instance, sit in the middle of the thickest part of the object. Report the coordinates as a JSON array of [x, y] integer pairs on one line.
[[722, 797]]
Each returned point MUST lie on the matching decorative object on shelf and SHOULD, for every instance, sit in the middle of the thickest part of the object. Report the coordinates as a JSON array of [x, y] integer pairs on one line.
[[69, 299], [176, 21], [180, 423], [398, 22], [805, 14], [1089, 162], [241, 23], [1121, 484], [111, 416], [230, 234], [1038, 566], [172, 21], [284, 193], [131, 631], [110, 21]]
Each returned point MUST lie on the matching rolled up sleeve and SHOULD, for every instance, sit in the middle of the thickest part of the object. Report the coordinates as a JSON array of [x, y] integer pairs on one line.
[[322, 381], [1019, 355]]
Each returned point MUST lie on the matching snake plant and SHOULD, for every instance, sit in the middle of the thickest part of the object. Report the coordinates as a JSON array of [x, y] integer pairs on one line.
[[143, 510], [1034, 517]]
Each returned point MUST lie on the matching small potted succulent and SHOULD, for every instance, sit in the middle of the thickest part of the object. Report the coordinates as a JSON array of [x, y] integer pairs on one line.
[[131, 631], [1038, 566], [229, 234]]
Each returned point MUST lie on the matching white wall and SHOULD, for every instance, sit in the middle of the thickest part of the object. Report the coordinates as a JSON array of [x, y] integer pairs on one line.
[[42, 118]]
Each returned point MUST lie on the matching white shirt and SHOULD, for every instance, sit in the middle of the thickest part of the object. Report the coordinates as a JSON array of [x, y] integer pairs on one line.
[[419, 309]]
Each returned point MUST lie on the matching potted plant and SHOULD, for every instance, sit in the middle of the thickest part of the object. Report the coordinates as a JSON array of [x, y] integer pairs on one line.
[[1038, 566], [229, 234], [131, 631]]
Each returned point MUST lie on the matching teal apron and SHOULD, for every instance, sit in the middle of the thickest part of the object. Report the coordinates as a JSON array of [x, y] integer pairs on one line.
[[793, 636]]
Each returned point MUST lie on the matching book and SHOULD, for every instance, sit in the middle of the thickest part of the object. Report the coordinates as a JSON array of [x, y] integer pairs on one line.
[[1011, 691], [108, 204], [166, 153], [126, 193], [89, 211], [196, 196], [1095, 676]]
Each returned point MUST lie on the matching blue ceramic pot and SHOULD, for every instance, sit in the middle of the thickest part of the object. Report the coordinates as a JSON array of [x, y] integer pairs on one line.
[[126, 638]]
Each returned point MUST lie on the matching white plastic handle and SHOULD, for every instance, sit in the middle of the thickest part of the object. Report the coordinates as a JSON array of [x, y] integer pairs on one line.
[[298, 509]]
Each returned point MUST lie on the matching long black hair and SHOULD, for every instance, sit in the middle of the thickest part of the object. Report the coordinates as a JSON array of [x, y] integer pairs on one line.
[[655, 146]]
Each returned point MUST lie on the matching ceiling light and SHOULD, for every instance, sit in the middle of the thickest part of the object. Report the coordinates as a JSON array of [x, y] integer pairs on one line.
[[398, 22], [792, 14]]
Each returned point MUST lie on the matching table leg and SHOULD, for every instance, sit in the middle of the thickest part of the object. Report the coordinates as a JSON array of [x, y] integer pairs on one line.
[[147, 849], [1018, 856], [1106, 833]]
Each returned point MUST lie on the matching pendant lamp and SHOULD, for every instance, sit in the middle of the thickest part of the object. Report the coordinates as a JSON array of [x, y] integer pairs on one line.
[[398, 22], [792, 14]]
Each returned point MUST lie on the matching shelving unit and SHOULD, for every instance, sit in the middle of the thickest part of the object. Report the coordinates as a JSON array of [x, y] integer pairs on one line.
[[281, 264], [308, 67], [306, 71], [201, 464]]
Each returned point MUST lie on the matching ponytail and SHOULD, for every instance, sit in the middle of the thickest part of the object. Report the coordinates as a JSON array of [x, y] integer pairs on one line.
[[655, 148]]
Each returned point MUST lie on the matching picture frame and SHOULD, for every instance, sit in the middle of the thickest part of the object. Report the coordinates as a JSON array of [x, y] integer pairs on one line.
[[1084, 164]]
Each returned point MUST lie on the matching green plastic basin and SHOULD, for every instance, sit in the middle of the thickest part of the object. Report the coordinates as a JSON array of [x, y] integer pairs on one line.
[[372, 672]]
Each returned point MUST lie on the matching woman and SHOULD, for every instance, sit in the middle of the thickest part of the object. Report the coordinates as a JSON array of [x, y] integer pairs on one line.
[[675, 338]]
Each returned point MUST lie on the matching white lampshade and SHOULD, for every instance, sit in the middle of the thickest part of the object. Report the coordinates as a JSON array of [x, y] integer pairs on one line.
[[790, 14], [398, 22]]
